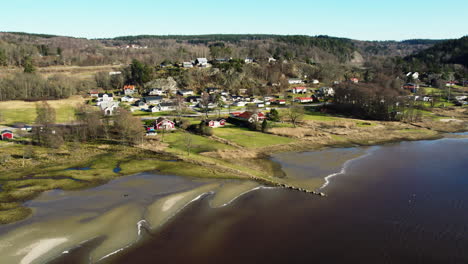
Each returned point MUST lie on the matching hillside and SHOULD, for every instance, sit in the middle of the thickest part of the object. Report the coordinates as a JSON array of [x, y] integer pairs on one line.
[[51, 50], [442, 55]]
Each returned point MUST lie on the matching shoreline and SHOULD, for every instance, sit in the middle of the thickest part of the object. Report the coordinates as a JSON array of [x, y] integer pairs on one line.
[[18, 211]]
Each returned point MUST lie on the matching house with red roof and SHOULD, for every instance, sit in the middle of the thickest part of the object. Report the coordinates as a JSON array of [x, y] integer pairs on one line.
[[6, 134], [164, 124], [129, 89], [303, 99], [299, 90], [249, 116], [354, 80]]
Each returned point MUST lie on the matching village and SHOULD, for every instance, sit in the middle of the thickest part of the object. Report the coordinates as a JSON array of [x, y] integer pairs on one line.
[[161, 108]]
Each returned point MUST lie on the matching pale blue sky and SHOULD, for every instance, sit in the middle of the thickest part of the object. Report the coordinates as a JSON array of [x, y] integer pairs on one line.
[[359, 19]]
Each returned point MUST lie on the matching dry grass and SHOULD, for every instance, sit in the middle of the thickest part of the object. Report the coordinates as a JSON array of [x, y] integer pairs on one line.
[[298, 132], [21, 111]]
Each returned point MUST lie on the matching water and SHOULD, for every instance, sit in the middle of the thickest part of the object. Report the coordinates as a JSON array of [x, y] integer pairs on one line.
[[398, 203], [404, 203]]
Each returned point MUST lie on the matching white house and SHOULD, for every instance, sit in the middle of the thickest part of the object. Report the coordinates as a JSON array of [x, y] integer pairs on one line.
[[327, 91], [187, 64], [167, 106], [299, 90], [315, 81], [248, 60], [109, 107], [201, 62], [129, 89], [185, 92], [154, 109], [105, 97], [239, 103], [156, 91], [295, 81], [414, 75], [271, 59], [127, 98]]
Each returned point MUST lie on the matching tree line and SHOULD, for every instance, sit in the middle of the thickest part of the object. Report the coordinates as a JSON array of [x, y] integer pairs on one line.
[[30, 86]]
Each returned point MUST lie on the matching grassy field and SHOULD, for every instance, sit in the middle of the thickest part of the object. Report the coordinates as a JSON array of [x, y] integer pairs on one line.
[[248, 138], [21, 111], [199, 144]]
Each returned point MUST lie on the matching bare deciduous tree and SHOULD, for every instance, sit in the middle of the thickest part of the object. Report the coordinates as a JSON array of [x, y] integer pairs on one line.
[[295, 113]]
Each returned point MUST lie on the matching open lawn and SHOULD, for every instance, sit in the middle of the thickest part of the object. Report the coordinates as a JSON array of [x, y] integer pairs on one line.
[[21, 111], [248, 138], [199, 144]]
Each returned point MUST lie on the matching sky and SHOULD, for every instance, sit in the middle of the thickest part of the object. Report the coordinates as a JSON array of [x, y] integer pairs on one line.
[[356, 19]]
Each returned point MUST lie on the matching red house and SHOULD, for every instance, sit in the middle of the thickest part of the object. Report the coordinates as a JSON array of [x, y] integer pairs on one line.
[[304, 99], [216, 123], [129, 89], [354, 80], [6, 134], [249, 116], [299, 90], [164, 124]]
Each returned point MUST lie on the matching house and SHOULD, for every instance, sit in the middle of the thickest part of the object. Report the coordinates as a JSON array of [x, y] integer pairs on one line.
[[354, 80], [193, 99], [295, 81], [153, 99], [164, 124], [237, 98], [242, 91], [315, 81], [109, 107], [185, 92], [215, 123], [6, 134], [201, 62], [209, 106], [414, 75], [187, 64], [248, 60], [271, 59], [212, 90], [127, 98], [115, 73], [299, 90], [129, 89], [154, 109], [260, 105], [326, 91], [303, 99], [169, 106], [239, 103], [94, 93], [278, 101], [105, 97], [411, 87], [249, 116], [22, 126], [142, 105], [156, 91], [450, 83]]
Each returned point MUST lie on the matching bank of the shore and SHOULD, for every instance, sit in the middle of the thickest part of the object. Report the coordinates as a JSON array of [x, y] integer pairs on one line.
[[362, 210], [89, 165]]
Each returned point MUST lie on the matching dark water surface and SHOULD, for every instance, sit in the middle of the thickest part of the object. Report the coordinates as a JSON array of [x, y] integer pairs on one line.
[[404, 203]]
